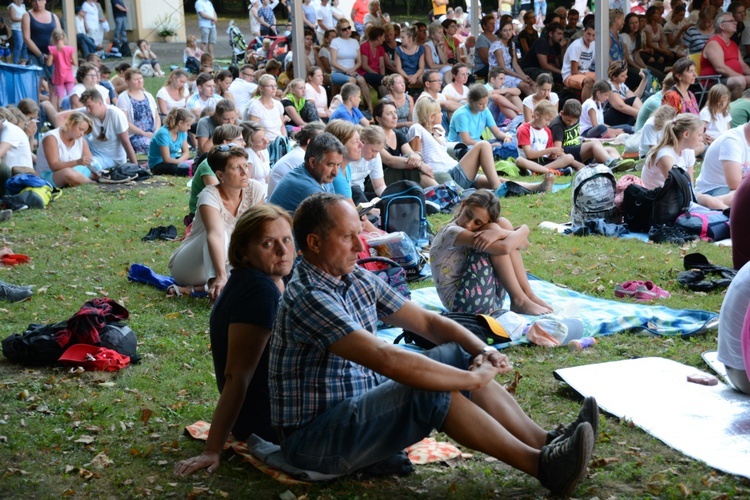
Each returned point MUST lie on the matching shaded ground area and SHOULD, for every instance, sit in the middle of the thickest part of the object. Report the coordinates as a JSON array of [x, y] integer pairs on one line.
[[171, 53]]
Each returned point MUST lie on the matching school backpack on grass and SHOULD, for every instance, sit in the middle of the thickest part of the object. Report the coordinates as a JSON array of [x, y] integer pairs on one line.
[[402, 208], [594, 195], [644, 208], [708, 225]]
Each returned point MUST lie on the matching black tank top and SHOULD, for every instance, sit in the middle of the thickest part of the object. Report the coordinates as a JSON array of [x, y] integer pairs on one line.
[[41, 33]]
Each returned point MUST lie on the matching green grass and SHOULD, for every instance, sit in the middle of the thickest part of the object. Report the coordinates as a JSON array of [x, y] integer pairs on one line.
[[81, 247]]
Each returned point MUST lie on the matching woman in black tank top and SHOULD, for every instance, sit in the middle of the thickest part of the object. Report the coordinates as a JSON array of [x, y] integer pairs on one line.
[[38, 25]]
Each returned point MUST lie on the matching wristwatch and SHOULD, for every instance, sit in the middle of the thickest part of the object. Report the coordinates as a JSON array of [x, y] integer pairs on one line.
[[489, 349]]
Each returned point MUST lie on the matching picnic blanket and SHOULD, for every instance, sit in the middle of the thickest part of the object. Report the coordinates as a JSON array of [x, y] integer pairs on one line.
[[600, 316], [267, 457], [561, 227], [708, 423]]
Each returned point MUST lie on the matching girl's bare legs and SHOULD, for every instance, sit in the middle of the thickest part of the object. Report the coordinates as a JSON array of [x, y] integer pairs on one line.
[[506, 272], [480, 155], [520, 270]]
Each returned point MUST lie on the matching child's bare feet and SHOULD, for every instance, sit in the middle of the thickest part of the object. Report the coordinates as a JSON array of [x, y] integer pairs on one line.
[[547, 183], [527, 306], [539, 301]]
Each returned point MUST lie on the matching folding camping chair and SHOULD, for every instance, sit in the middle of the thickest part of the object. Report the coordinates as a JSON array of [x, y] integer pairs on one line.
[[702, 83]]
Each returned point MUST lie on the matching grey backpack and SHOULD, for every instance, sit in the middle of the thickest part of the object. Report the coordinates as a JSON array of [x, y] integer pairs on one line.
[[594, 195]]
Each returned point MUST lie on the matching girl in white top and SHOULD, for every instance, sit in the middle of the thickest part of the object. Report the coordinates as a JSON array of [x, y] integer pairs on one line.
[[346, 60], [266, 110], [426, 137], [64, 158], [715, 114], [315, 92], [681, 136], [592, 113], [174, 93], [256, 146], [653, 130], [435, 55], [543, 91]]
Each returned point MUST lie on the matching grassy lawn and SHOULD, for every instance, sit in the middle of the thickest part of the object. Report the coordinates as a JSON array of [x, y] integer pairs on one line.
[[54, 423]]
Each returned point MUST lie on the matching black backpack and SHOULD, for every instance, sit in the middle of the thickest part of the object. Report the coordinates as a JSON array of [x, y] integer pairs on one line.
[[402, 208], [193, 65], [36, 346], [644, 208], [471, 322]]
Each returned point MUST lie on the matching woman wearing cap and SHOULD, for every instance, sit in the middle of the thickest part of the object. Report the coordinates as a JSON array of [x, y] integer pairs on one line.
[[200, 262], [261, 253]]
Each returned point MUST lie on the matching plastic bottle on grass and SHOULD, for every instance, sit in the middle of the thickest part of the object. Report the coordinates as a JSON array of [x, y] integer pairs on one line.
[[581, 344]]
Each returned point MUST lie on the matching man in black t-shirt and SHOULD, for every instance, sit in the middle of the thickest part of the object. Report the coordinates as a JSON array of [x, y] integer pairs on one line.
[[566, 133], [545, 56]]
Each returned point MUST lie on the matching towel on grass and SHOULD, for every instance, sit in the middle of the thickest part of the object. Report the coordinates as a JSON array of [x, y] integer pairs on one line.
[[267, 457], [600, 316]]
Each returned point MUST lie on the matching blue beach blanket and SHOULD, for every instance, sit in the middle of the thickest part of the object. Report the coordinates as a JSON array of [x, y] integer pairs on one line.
[[600, 316]]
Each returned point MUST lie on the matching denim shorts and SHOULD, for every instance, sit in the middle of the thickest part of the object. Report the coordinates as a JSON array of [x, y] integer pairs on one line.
[[459, 177], [366, 429], [81, 169], [719, 191]]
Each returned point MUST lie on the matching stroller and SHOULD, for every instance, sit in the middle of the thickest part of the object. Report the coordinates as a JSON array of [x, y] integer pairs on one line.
[[237, 43]]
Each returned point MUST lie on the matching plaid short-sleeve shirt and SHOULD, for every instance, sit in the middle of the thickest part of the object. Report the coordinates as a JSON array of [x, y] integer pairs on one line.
[[317, 310]]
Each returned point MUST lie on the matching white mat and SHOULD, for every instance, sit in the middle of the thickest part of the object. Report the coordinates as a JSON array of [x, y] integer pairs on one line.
[[711, 424], [712, 360]]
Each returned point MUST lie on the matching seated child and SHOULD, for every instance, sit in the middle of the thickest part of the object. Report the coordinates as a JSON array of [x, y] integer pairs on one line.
[[676, 149], [476, 258], [653, 130], [469, 122], [715, 114], [504, 102], [565, 134], [536, 151], [592, 117], [543, 92]]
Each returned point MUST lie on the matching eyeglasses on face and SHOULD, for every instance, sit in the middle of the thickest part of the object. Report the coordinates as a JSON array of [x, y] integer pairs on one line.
[[347, 28], [226, 147]]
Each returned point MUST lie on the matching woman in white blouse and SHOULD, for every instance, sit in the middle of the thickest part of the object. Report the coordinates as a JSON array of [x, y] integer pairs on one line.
[[200, 262], [174, 93]]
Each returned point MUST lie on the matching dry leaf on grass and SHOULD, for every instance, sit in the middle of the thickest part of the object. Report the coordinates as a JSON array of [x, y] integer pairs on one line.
[[603, 462], [10, 471], [146, 415], [85, 439], [101, 461]]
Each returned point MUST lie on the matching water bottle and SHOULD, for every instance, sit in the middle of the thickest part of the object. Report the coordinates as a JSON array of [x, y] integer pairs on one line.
[[581, 344], [424, 239]]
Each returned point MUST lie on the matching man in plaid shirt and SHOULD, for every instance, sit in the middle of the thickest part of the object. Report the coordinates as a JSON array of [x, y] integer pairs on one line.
[[343, 400]]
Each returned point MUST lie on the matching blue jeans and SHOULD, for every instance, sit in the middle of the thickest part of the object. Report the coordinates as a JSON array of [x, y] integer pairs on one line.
[[120, 35], [338, 78], [86, 44], [366, 429], [19, 47]]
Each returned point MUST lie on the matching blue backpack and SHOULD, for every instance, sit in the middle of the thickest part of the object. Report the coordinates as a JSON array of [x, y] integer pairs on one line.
[[402, 208], [18, 183]]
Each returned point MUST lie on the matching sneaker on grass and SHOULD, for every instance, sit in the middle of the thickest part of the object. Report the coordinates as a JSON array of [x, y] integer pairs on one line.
[[562, 463], [589, 412], [12, 293]]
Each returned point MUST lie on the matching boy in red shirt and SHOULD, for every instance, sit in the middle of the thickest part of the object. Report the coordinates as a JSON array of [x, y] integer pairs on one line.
[[536, 150]]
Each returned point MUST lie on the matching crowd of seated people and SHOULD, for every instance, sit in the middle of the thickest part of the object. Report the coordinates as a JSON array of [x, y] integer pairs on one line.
[[373, 104]]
